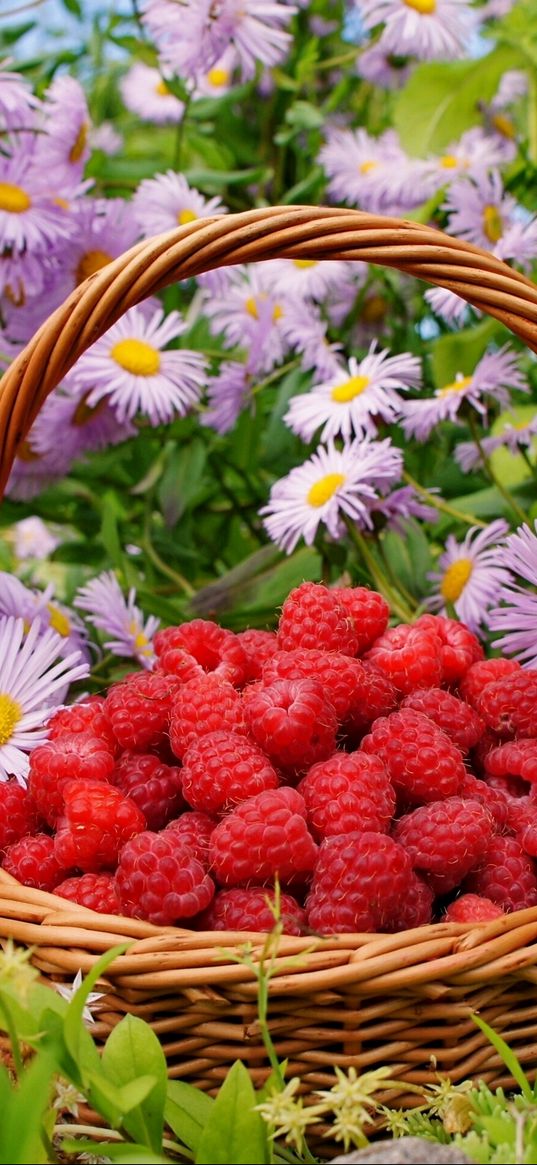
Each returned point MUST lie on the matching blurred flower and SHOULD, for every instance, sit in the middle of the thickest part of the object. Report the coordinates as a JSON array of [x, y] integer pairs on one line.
[[109, 611], [30, 217], [250, 314], [67, 1098], [304, 330], [21, 276], [33, 539], [427, 29], [145, 92], [449, 306], [84, 427], [471, 575], [372, 173], [68, 990], [400, 505], [383, 68], [23, 602], [512, 437], [227, 394], [17, 102], [31, 472], [63, 148], [217, 80], [475, 152], [167, 201], [105, 137], [286, 1116], [480, 212], [517, 620], [493, 376], [309, 278]]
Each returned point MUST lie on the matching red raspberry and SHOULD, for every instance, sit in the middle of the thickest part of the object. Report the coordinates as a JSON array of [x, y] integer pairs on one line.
[[77, 755], [484, 672], [139, 709], [358, 885], [369, 611], [472, 908], [87, 717], [194, 830], [95, 891], [292, 721], [506, 875], [313, 616], [156, 788], [33, 861], [248, 909], [495, 800], [422, 762], [262, 838], [415, 909], [488, 741], [207, 704], [346, 794], [221, 769], [459, 647], [509, 705], [343, 678], [377, 697], [461, 723], [201, 647], [516, 758], [259, 647], [522, 821], [96, 823], [161, 880], [509, 787], [18, 814], [446, 839], [409, 656]]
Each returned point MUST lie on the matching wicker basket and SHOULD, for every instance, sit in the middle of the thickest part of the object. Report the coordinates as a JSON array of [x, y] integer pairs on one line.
[[363, 1000]]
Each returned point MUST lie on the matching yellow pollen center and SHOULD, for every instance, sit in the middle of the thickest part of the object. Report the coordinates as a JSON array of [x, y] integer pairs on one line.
[[456, 386], [374, 309], [141, 642], [137, 357], [218, 77], [504, 125], [79, 144], [161, 89], [277, 313], [366, 167], [448, 161], [455, 578], [303, 263], [325, 489], [492, 223], [59, 621], [251, 307], [10, 714], [424, 7], [186, 216], [13, 198], [90, 263], [355, 386]]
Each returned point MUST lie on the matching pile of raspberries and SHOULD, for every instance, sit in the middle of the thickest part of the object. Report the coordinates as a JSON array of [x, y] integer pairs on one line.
[[384, 777]]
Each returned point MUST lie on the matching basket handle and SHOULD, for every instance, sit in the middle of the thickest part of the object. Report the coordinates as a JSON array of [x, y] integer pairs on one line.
[[291, 232]]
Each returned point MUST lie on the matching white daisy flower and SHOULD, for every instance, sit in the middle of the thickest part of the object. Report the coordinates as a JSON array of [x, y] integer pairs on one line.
[[427, 29], [145, 92], [68, 990], [110, 612]]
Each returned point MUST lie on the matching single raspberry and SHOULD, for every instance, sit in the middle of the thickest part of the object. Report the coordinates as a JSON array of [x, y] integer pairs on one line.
[[293, 722], [74, 755], [484, 672], [423, 763], [161, 880], [460, 722], [259, 647], [87, 717], [194, 830], [472, 908], [516, 758], [199, 647], [139, 707], [97, 820], [248, 909], [207, 704], [495, 800], [313, 616], [156, 788], [33, 861], [262, 838], [343, 678], [459, 647], [347, 793], [359, 882], [522, 822], [95, 891], [369, 611], [221, 769], [446, 839], [510, 786], [409, 656], [18, 813], [506, 875], [509, 705], [415, 909], [376, 697]]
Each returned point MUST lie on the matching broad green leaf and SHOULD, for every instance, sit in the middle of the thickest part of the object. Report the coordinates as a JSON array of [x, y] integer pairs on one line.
[[187, 1111], [519, 29], [234, 1134], [460, 351], [112, 512], [182, 479], [512, 468], [74, 7], [271, 588], [506, 1054], [409, 558], [129, 1154], [482, 503], [132, 1051], [23, 1111], [75, 1034]]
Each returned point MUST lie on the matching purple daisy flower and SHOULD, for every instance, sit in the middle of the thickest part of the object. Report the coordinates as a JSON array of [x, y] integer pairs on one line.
[[30, 218], [382, 68], [167, 201], [217, 80], [402, 504], [227, 394], [471, 575], [427, 29], [305, 331], [145, 93], [84, 428], [250, 314], [372, 173], [513, 437], [517, 620], [493, 376], [478, 209], [17, 102], [33, 539], [109, 611], [21, 602], [309, 278], [34, 472], [63, 148], [448, 306]]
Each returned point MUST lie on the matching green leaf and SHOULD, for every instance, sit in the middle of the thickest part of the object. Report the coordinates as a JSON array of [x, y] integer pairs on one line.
[[234, 1134], [23, 1111], [132, 1050], [518, 28], [113, 511], [512, 468], [187, 1111], [181, 479], [460, 351], [74, 7], [409, 557], [77, 1038], [506, 1054], [130, 1154]]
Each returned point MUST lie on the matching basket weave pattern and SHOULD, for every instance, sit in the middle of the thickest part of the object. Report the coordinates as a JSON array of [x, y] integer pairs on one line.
[[353, 1000]]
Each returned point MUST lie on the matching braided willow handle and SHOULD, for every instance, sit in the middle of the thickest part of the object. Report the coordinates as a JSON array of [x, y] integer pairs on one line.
[[290, 232]]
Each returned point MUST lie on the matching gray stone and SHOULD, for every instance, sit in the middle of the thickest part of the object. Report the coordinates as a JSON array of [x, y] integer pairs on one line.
[[405, 1151]]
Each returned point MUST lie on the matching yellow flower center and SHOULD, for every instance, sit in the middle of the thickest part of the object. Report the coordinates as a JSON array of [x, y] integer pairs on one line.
[[90, 263], [303, 263], [252, 309], [85, 412], [13, 198], [455, 578], [185, 216], [325, 489], [26, 453], [455, 386], [492, 223], [366, 167], [448, 161], [374, 309], [161, 89], [59, 621], [137, 357], [79, 144], [10, 714], [218, 77], [424, 7], [141, 642], [351, 388], [504, 125]]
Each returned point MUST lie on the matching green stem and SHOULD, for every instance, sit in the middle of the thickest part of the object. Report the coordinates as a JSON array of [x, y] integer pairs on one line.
[[163, 567], [395, 600], [291, 364], [441, 505], [179, 137], [493, 477]]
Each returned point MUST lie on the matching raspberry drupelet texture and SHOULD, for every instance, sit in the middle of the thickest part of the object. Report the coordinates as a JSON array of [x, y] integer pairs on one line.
[[33, 861], [342, 677], [494, 799], [201, 647], [376, 697], [369, 612], [515, 758], [139, 709], [409, 656], [422, 762], [97, 820], [206, 704], [160, 880], [292, 721], [156, 788], [87, 717], [506, 875], [194, 831], [250, 909], [415, 909], [459, 647], [445, 840], [221, 769], [348, 793], [18, 813], [95, 891], [483, 672], [472, 908], [259, 647], [52, 764], [509, 705], [522, 822], [313, 616], [359, 882], [264, 837], [460, 722]]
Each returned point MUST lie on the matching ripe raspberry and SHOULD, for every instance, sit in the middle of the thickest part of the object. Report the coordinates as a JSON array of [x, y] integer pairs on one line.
[[488, 741], [509, 705], [516, 758], [18, 814], [506, 875], [194, 830], [472, 908], [484, 672], [369, 611], [358, 885], [495, 800], [377, 697], [201, 647], [522, 822], [459, 647], [346, 794], [313, 616], [446, 839], [259, 647], [423, 763], [509, 787], [95, 891], [33, 861], [207, 704], [460, 722], [409, 656], [156, 788], [87, 717], [262, 838], [221, 769], [161, 880], [343, 678], [415, 909], [73, 755], [97, 821], [241, 909], [139, 709], [292, 721]]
